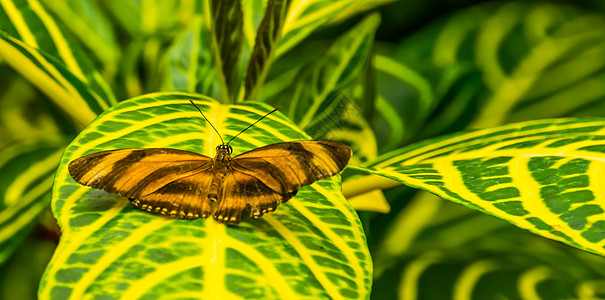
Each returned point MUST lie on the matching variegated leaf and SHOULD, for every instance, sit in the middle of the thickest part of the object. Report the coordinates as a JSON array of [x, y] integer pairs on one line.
[[53, 79], [476, 256], [490, 64], [304, 17], [543, 176], [27, 174], [30, 23], [88, 22], [359, 7], [312, 247], [336, 69]]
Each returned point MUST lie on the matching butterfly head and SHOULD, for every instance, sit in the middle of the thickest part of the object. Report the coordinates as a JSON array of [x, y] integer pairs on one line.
[[223, 153], [224, 149]]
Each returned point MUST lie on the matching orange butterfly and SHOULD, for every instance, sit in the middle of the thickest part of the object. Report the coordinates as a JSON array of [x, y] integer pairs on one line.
[[190, 185]]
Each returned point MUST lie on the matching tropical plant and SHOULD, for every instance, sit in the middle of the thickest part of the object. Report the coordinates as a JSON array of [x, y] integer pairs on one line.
[[493, 106]]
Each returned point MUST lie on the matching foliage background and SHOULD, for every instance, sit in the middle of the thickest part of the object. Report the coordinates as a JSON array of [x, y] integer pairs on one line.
[[416, 90]]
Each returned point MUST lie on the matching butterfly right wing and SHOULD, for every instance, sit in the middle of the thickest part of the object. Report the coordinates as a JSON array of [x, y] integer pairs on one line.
[[287, 166], [170, 181]]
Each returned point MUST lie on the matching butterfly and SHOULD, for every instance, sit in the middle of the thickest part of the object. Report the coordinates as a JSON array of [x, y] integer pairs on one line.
[[190, 185]]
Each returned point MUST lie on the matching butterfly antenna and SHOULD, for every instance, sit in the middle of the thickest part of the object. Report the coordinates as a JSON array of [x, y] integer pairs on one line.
[[253, 124], [219, 135]]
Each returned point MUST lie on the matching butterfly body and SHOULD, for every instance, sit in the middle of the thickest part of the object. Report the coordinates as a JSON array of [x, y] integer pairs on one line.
[[220, 167], [190, 185]]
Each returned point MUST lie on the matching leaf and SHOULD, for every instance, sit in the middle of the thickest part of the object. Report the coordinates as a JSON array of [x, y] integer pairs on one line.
[[497, 63], [407, 97], [267, 39], [336, 69], [253, 11], [24, 269], [339, 119], [21, 118], [473, 253], [27, 172], [189, 66], [359, 7], [227, 41], [542, 176], [86, 20], [544, 76], [153, 17], [313, 246], [35, 27], [373, 201], [304, 17], [53, 79]]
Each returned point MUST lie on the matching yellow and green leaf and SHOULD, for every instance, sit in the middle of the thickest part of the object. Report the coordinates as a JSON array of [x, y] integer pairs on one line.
[[27, 172], [336, 69], [475, 256], [492, 64], [543, 176], [30, 23], [313, 246], [53, 79], [87, 22]]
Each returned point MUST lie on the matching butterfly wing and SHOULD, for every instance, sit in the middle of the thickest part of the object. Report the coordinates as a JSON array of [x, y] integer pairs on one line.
[[177, 182], [170, 181], [243, 191], [263, 178]]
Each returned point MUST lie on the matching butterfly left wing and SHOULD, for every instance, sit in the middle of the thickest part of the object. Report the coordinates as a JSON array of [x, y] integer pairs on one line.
[[169, 181], [263, 178]]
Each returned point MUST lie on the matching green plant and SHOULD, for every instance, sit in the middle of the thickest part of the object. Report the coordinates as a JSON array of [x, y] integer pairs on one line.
[[132, 66]]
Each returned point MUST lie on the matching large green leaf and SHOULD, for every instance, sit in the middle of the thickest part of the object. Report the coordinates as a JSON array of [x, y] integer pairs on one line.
[[27, 174], [30, 23], [543, 176], [312, 247]]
